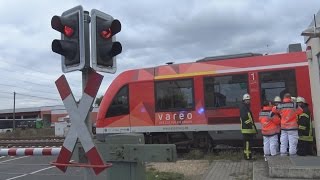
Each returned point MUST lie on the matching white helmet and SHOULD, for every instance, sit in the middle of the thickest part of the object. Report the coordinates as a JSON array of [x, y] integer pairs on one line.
[[293, 99], [246, 97], [301, 99], [277, 99]]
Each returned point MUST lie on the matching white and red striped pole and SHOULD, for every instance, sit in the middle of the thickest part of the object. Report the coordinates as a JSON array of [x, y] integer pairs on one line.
[[29, 151], [78, 113]]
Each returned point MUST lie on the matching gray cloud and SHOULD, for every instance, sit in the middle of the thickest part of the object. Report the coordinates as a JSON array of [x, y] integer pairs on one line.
[[153, 33]]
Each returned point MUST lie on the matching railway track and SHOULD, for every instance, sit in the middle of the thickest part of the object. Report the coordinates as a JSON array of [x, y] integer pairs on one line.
[[31, 142]]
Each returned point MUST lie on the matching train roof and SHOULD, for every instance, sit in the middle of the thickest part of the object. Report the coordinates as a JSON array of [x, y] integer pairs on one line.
[[231, 63], [214, 67]]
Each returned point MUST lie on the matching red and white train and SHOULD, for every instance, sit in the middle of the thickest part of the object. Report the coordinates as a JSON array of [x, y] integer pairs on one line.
[[198, 102]]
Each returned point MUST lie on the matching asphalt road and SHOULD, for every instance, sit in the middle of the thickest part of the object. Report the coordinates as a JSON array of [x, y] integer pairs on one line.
[[38, 168]]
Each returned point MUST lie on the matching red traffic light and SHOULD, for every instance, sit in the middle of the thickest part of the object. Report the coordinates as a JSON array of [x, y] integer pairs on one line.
[[106, 33], [62, 25], [108, 28], [68, 31]]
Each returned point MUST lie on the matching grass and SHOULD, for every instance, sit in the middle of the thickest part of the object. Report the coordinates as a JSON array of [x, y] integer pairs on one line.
[[153, 174]]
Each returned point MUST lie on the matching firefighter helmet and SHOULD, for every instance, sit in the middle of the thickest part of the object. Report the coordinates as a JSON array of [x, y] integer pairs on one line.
[[300, 100], [293, 99], [246, 97], [277, 99]]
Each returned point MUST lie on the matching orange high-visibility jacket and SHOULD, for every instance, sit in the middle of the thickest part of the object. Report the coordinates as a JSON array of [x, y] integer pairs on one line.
[[288, 112], [270, 122]]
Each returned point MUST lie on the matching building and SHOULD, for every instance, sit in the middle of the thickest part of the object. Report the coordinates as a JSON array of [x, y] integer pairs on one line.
[[49, 114]]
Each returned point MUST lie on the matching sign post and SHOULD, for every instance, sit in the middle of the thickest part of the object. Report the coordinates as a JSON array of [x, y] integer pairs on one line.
[[128, 152], [78, 114]]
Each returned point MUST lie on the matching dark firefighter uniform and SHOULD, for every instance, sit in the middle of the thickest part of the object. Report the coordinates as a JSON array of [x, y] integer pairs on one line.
[[305, 132], [248, 129]]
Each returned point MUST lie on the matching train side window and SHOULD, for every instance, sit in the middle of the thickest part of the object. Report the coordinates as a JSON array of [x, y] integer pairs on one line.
[[225, 91], [120, 103], [277, 83], [174, 95]]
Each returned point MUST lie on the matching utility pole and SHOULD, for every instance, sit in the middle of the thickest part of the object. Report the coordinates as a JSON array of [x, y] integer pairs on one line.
[[85, 71], [14, 111]]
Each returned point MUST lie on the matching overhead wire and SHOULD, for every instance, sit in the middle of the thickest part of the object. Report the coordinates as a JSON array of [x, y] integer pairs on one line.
[[28, 68], [9, 85], [38, 97]]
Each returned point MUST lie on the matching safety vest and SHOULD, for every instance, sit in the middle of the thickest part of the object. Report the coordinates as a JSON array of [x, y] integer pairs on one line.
[[305, 126], [247, 123], [269, 122], [289, 112]]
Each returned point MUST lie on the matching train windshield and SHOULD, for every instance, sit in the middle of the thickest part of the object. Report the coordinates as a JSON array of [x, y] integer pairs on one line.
[[119, 105]]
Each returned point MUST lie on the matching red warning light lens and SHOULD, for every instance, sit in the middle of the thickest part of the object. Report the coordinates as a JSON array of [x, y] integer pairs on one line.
[[106, 33], [68, 31]]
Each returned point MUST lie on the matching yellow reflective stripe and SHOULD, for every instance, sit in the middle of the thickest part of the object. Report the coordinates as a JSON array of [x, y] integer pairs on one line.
[[248, 131], [247, 121], [250, 118], [302, 127], [306, 138], [247, 152], [304, 115]]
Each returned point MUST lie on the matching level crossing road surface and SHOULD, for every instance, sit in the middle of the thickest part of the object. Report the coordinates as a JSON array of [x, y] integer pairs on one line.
[[39, 168]]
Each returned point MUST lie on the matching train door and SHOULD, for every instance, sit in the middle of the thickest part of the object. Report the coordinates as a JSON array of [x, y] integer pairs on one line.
[[141, 105]]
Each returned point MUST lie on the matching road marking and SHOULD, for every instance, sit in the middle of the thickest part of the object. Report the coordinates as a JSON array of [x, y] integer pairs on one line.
[[34, 172], [13, 159], [16, 177], [42, 169]]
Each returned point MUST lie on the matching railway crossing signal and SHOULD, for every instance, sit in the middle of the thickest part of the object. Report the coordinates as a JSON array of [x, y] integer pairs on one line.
[[78, 114], [71, 47], [74, 43], [104, 47]]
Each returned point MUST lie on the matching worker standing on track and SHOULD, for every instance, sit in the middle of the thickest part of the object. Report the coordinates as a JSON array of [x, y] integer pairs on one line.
[[288, 111], [305, 129], [248, 128], [270, 129]]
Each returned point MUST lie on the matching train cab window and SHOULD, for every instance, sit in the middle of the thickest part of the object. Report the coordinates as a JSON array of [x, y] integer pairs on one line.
[[120, 103], [174, 95], [225, 91], [277, 83]]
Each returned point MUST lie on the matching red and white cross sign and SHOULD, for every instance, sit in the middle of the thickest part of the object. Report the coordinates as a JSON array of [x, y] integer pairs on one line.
[[78, 113]]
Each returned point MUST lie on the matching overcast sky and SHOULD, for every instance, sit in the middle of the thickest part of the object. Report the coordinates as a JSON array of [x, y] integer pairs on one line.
[[153, 33]]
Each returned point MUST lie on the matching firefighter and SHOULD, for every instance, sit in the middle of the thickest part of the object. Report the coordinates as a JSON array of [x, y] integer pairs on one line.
[[276, 101], [248, 128], [288, 111], [270, 129], [305, 129]]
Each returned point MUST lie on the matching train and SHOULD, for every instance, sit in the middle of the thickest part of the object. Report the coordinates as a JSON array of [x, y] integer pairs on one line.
[[196, 104], [6, 125]]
